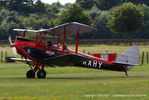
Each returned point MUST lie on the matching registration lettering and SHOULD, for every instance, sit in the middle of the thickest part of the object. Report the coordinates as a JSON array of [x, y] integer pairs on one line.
[[50, 53], [94, 64]]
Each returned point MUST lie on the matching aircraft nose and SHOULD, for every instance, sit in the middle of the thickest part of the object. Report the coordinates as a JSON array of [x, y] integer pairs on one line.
[[14, 50], [12, 45]]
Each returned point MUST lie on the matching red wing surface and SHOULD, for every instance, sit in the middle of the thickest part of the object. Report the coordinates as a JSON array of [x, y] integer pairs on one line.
[[66, 60]]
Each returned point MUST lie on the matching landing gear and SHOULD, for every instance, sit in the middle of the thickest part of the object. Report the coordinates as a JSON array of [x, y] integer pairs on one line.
[[126, 73], [30, 74], [41, 73], [126, 69], [38, 67]]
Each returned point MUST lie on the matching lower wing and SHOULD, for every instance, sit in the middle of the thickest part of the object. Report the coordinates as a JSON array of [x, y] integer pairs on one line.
[[23, 60], [66, 60]]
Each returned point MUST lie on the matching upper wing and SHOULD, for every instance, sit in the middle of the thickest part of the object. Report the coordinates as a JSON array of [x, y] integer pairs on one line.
[[25, 30], [71, 28], [66, 60], [31, 31]]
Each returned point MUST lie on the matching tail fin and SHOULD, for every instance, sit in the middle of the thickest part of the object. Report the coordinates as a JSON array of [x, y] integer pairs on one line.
[[129, 57]]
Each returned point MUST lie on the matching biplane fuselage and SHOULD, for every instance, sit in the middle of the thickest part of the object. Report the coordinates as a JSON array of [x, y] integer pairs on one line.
[[38, 53]]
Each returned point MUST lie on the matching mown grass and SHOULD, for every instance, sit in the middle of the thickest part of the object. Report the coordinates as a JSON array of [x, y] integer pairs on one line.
[[71, 83]]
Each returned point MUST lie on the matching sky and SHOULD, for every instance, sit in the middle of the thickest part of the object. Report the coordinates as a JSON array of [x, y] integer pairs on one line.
[[61, 1]]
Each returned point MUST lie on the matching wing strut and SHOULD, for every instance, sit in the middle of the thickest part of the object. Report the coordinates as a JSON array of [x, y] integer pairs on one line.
[[28, 63], [64, 37], [24, 34], [77, 41]]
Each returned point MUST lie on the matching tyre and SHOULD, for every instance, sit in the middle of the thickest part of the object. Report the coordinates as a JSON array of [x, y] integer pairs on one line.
[[30, 74], [41, 74]]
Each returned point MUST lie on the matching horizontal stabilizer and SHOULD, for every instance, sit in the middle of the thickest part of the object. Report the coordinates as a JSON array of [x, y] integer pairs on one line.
[[129, 57], [66, 60]]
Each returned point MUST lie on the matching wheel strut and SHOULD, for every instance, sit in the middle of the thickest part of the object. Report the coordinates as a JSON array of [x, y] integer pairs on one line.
[[126, 73]]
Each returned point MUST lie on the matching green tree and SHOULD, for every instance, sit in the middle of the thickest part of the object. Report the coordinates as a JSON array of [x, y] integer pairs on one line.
[[136, 1], [94, 12], [39, 7], [21, 6], [126, 18], [144, 30], [3, 14], [145, 10], [101, 4], [100, 23], [8, 24], [51, 11], [73, 13], [57, 4], [107, 4], [35, 21], [87, 4]]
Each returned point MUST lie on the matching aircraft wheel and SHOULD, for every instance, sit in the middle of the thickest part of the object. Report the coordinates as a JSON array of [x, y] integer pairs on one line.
[[41, 74], [30, 74]]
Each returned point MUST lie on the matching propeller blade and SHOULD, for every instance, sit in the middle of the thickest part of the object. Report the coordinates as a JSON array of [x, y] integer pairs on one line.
[[14, 51], [10, 41], [12, 45]]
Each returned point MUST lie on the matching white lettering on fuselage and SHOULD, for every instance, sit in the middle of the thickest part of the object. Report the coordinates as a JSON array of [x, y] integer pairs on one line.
[[93, 64], [50, 53], [90, 63], [99, 64], [84, 63]]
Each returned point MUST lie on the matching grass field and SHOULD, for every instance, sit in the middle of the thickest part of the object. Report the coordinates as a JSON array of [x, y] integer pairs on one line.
[[70, 83]]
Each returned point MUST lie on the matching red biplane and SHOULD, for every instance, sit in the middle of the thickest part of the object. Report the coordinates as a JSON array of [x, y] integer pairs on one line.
[[39, 51]]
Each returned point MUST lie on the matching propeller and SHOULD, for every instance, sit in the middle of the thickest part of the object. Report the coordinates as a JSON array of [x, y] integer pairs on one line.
[[12, 46]]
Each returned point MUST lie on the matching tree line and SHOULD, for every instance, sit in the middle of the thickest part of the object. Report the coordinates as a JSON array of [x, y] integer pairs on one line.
[[34, 14]]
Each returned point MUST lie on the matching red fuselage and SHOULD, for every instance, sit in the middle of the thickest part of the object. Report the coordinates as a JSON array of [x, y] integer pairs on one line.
[[35, 49]]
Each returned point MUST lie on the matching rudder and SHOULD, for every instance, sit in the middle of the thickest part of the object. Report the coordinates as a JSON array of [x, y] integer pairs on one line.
[[129, 57]]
